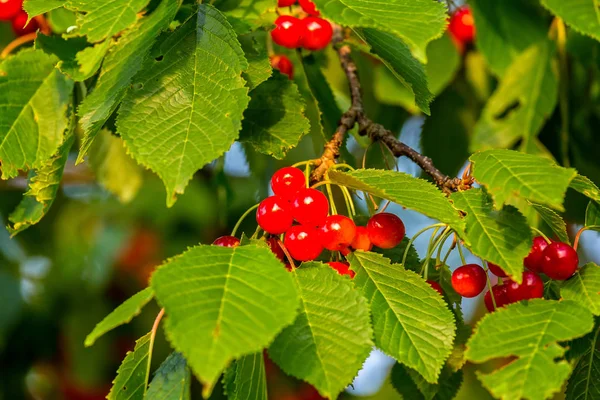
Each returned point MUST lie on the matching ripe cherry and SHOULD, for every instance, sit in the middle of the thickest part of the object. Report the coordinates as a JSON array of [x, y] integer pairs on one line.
[[343, 268], [288, 31], [361, 239], [500, 296], [302, 242], [436, 286], [227, 241], [310, 207], [285, 3], [285, 66], [274, 215], [337, 232], [469, 280], [496, 270], [274, 245], [559, 261], [9, 9], [531, 288], [533, 261], [19, 27], [462, 25], [317, 34], [309, 7], [287, 181], [385, 230]]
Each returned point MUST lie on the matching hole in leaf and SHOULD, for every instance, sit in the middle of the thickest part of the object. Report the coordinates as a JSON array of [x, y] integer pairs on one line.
[[514, 106], [159, 58], [138, 86]]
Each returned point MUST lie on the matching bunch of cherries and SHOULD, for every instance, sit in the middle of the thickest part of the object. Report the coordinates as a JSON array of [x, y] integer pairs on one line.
[[556, 260], [301, 215], [12, 10], [312, 33]]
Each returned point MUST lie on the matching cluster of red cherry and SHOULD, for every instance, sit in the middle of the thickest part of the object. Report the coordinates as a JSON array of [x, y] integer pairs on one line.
[[556, 260], [12, 10], [301, 214]]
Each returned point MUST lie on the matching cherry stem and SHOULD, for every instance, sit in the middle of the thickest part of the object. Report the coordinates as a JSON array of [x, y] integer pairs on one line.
[[30, 37], [322, 183], [348, 200], [489, 285], [239, 222], [159, 317], [536, 230], [441, 247], [331, 200], [287, 254], [342, 165], [382, 209], [434, 242], [578, 235], [415, 236], [460, 252], [309, 162]]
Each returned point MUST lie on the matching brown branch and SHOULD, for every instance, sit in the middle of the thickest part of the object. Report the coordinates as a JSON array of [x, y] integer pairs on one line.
[[375, 131]]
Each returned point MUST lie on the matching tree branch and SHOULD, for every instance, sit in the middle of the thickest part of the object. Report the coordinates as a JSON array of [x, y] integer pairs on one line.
[[367, 127]]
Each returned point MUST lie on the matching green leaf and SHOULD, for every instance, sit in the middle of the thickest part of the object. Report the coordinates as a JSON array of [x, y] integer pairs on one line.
[[101, 19], [523, 101], [584, 288], [35, 99], [246, 378], [114, 169], [412, 386], [414, 193], [274, 121], [121, 64], [171, 381], [331, 337], [259, 66], [398, 58], [415, 22], [411, 322], [185, 107], [248, 15], [592, 215], [584, 383], [554, 221], [581, 15], [528, 331], [232, 300], [506, 29], [37, 7], [585, 186], [502, 237], [505, 173], [121, 315], [43, 185], [61, 19], [132, 376]]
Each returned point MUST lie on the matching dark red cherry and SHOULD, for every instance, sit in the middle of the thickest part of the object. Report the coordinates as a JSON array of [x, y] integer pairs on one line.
[[309, 7], [274, 215], [287, 181], [302, 242], [532, 287], [337, 232], [275, 246], [469, 280], [343, 268], [317, 33], [285, 66], [496, 270], [559, 261], [436, 286], [288, 31], [9, 9], [462, 25], [227, 241], [533, 261], [285, 3], [310, 207], [385, 230], [361, 239], [499, 292], [20, 26]]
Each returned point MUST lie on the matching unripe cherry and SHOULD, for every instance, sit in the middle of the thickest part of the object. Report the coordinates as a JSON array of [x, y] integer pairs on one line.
[[385, 230], [337, 232], [302, 242], [274, 215], [343, 268], [288, 181], [532, 287], [469, 280], [227, 241], [310, 207], [288, 31], [559, 261], [317, 33]]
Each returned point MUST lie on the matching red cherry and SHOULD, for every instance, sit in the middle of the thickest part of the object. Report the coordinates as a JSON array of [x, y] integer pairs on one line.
[[274, 245], [317, 34], [533, 261], [288, 31], [285, 3], [361, 239], [227, 241], [284, 65], [274, 215], [559, 261], [287, 181], [302, 242], [337, 232], [499, 292], [310, 207], [469, 280], [531, 288], [436, 286], [19, 27], [345, 251], [385, 230], [309, 7], [496, 270], [343, 268], [462, 25], [9, 9]]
